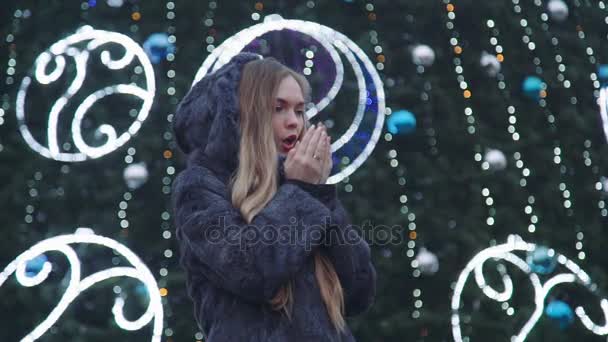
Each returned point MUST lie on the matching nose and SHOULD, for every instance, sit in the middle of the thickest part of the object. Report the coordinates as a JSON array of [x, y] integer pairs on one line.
[[292, 121]]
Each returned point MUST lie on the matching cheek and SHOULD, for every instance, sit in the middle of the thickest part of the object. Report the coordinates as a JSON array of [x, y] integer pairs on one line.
[[275, 125]]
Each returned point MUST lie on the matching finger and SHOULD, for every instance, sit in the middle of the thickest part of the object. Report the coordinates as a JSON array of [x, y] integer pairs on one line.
[[323, 156], [320, 150], [330, 160], [313, 143], [291, 153], [305, 140]]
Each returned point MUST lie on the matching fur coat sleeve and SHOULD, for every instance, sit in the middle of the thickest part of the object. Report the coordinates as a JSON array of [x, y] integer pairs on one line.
[[347, 250]]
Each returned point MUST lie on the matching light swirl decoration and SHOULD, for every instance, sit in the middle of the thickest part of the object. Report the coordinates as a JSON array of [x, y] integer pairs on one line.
[[332, 41], [57, 54], [507, 252], [76, 285], [603, 102]]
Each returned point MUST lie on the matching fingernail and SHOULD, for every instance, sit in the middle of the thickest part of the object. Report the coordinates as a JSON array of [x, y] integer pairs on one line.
[[312, 126]]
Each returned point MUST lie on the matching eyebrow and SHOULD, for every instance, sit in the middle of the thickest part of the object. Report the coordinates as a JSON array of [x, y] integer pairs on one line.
[[283, 101]]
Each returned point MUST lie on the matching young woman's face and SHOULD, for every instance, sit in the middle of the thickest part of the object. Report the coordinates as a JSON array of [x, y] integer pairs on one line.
[[288, 115]]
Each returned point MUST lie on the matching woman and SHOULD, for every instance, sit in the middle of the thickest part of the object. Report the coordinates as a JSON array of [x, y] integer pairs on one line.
[[266, 245]]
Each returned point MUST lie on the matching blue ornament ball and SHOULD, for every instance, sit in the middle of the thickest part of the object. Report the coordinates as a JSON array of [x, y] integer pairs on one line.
[[560, 312], [401, 122], [34, 266], [157, 47], [602, 73], [542, 260], [532, 86], [142, 291]]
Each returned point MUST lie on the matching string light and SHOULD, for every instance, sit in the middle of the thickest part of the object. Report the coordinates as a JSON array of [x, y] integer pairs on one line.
[[169, 169], [77, 285], [601, 93], [508, 252], [567, 195], [57, 53], [504, 89], [468, 110]]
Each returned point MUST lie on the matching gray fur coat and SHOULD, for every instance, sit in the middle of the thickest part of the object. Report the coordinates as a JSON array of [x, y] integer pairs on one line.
[[234, 268]]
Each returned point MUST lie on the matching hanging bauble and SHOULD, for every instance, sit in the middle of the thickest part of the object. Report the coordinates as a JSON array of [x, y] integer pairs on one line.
[[560, 312], [489, 63], [423, 55], [84, 231], [496, 160], [541, 260], [558, 10], [273, 17], [427, 262], [532, 87], [115, 3], [401, 122], [34, 266], [135, 175], [602, 73], [158, 46]]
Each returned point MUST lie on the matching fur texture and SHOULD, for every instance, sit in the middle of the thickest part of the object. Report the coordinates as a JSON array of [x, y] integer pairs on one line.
[[233, 269]]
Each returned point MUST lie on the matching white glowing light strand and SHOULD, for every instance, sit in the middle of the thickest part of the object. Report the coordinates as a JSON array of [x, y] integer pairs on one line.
[[96, 39], [603, 102], [505, 252], [76, 285], [109, 131], [326, 37]]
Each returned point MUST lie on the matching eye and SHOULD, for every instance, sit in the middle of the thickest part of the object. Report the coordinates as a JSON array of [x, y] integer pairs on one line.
[[278, 108], [300, 112]]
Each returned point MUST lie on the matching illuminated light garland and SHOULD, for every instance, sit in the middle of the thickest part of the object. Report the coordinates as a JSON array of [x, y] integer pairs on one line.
[[169, 170], [593, 76], [503, 87], [56, 54], [568, 202], [588, 50], [507, 252], [76, 285], [330, 40], [468, 110], [603, 103]]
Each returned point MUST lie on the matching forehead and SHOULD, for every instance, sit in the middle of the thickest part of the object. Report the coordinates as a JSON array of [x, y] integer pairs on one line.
[[290, 91]]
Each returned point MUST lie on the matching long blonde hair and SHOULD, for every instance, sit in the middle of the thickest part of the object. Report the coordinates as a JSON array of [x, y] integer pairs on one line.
[[256, 178]]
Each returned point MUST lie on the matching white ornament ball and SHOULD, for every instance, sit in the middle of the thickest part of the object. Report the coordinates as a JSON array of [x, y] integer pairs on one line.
[[427, 262], [84, 231], [135, 175], [496, 159], [558, 10], [490, 63], [423, 55], [272, 17], [115, 3]]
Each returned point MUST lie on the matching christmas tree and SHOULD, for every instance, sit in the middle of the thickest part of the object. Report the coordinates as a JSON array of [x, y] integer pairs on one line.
[[473, 158]]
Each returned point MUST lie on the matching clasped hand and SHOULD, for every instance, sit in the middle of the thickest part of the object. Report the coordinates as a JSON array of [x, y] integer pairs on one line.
[[310, 159]]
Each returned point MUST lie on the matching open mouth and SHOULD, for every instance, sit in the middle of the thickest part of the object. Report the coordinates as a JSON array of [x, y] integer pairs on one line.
[[289, 142]]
